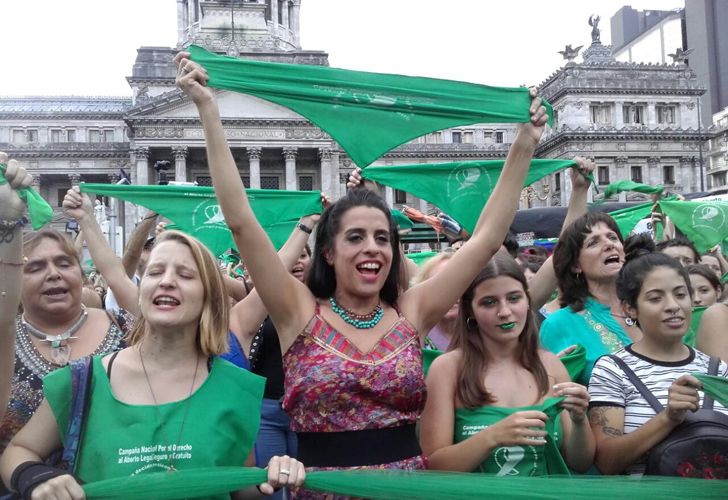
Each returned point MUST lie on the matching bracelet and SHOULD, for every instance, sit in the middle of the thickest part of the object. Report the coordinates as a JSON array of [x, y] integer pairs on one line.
[[304, 228], [12, 224], [28, 475]]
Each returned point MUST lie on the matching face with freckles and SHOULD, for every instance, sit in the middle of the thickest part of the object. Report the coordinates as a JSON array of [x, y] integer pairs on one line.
[[171, 291], [361, 253], [52, 281]]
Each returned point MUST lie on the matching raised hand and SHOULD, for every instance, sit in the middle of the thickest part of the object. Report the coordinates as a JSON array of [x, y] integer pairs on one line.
[[12, 207], [578, 174], [192, 79], [533, 130], [77, 204]]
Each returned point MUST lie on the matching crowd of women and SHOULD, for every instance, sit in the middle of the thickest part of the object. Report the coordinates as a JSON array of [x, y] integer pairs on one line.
[[338, 333]]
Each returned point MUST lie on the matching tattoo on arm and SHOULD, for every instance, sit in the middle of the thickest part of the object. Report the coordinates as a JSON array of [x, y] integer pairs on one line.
[[597, 416]]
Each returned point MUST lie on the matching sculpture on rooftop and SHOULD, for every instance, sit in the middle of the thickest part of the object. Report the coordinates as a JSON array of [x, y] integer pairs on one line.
[[680, 56], [570, 54], [595, 33]]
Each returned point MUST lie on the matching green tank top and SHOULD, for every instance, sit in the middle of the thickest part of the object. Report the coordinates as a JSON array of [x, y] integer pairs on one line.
[[515, 460], [220, 426]]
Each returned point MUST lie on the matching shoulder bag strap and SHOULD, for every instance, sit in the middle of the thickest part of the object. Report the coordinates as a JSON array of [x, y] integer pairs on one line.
[[638, 384], [713, 365], [80, 395]]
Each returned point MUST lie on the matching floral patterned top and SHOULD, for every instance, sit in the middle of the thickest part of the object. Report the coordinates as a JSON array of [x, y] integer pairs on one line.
[[332, 386], [30, 368]]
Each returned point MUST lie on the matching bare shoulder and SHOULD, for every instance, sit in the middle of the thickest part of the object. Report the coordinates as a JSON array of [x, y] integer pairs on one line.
[[446, 364], [554, 367], [716, 312]]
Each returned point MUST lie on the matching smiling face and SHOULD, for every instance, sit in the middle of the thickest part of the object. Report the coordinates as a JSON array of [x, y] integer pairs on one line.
[[301, 267], [664, 306], [361, 254], [52, 281], [602, 254], [500, 307], [703, 292], [171, 290]]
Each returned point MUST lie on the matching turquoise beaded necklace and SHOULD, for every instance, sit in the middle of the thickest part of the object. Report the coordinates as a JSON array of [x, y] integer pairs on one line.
[[360, 321]]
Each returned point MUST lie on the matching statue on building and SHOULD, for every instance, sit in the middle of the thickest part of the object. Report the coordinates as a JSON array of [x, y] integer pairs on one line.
[[595, 33], [570, 54], [680, 56], [100, 212]]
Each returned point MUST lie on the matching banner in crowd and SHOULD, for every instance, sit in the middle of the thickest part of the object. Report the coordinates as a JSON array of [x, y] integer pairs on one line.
[[196, 211], [367, 113], [460, 189], [39, 211], [704, 223]]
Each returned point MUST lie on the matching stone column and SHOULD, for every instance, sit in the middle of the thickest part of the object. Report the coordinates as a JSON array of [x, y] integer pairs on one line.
[[274, 15], [325, 156], [36, 182], [115, 216], [653, 175], [290, 154], [180, 163], [182, 22], [335, 177], [284, 6], [141, 158], [621, 163], [254, 159], [389, 195], [296, 23]]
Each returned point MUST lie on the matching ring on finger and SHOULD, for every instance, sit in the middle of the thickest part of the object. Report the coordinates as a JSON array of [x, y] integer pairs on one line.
[[285, 471]]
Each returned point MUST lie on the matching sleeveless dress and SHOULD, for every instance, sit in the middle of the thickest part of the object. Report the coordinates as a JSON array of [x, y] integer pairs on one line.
[[515, 460], [332, 386]]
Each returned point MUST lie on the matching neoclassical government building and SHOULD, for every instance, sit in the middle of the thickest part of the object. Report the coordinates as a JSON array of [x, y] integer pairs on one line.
[[638, 121]]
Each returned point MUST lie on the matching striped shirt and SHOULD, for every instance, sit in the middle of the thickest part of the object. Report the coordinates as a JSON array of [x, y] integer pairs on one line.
[[609, 386]]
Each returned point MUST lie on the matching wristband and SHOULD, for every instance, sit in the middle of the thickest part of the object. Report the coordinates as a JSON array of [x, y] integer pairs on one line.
[[304, 228], [28, 475]]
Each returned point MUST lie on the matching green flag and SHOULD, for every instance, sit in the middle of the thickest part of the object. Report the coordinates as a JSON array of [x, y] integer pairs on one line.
[[714, 386], [626, 185], [692, 333], [627, 218], [460, 189], [420, 258], [403, 222], [39, 211], [196, 211], [704, 223], [367, 113]]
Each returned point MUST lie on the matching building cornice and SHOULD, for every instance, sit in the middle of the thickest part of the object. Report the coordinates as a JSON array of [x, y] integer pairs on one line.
[[67, 150], [602, 135]]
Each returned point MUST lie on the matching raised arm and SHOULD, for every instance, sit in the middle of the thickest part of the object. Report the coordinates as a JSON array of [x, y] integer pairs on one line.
[[427, 302], [289, 302], [133, 250], [78, 206], [12, 209], [544, 283], [247, 315]]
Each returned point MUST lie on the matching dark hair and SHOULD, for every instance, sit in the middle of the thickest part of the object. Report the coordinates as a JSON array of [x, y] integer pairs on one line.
[[574, 288], [511, 244], [679, 242], [470, 387], [640, 260], [322, 278], [707, 273], [307, 249], [149, 244]]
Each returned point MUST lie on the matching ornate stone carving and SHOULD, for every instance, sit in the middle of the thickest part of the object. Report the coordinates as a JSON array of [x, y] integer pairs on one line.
[[654, 146], [621, 146], [290, 153], [621, 161], [73, 163], [324, 154], [159, 133], [254, 153], [113, 178], [74, 178], [298, 133], [653, 161], [142, 153], [595, 33], [179, 152]]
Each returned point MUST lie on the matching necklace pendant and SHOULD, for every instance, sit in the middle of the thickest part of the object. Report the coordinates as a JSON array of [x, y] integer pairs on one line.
[[60, 354]]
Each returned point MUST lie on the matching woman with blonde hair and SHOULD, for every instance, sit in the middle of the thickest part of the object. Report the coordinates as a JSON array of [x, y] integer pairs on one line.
[[154, 392]]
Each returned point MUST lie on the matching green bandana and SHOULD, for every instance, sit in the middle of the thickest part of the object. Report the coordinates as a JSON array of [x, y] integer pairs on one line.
[[367, 113], [621, 186], [714, 386], [405, 485], [627, 218], [704, 223], [692, 333], [402, 221], [196, 211], [39, 211], [575, 362], [460, 189], [420, 258]]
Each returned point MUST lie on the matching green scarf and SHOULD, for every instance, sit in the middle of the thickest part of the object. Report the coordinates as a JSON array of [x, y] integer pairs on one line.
[[717, 387], [405, 485], [367, 113], [704, 223], [420, 258], [575, 362], [39, 211], [403, 222], [460, 189], [691, 335], [626, 185], [195, 210]]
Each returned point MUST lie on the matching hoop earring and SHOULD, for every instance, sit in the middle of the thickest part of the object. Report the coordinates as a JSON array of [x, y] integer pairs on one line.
[[471, 324], [578, 276]]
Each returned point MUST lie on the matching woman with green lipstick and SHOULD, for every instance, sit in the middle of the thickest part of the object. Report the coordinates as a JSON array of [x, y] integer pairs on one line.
[[501, 394]]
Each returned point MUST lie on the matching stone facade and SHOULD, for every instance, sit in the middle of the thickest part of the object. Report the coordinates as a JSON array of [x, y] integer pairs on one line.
[[718, 152]]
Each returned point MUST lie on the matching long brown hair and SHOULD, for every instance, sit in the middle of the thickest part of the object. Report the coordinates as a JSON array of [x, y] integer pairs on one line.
[[471, 389]]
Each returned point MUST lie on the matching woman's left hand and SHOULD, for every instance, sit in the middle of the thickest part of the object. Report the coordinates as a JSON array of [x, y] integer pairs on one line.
[[283, 472], [576, 402], [535, 127], [578, 173]]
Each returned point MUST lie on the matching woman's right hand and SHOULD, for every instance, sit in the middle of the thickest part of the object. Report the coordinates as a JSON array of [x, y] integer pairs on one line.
[[192, 79], [523, 428], [682, 396], [355, 179], [60, 487], [12, 207], [77, 204]]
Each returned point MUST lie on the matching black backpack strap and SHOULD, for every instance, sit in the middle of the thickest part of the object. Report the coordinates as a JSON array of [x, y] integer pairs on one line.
[[638, 384], [713, 365]]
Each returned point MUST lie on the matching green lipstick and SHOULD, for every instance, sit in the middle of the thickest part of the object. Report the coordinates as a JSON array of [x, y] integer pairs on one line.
[[507, 326]]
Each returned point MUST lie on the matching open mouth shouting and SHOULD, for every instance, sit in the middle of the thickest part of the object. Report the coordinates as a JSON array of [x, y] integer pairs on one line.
[[165, 302], [56, 293], [613, 261], [369, 270]]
